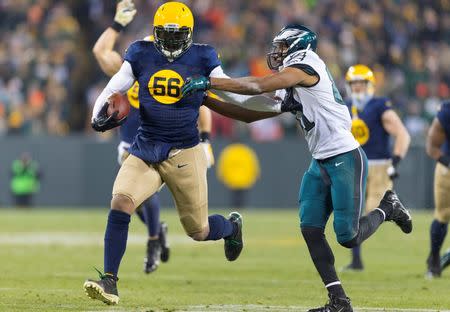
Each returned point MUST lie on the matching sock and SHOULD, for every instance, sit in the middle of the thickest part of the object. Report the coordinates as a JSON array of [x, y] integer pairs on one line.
[[438, 231], [367, 226], [140, 214], [219, 227], [151, 209], [323, 258], [116, 236], [356, 255]]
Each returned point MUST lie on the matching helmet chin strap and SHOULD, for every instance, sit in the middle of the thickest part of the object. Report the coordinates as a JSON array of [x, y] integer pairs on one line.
[[360, 99]]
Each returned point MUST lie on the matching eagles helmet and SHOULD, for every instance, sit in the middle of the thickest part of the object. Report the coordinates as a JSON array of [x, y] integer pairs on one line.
[[292, 38], [172, 29]]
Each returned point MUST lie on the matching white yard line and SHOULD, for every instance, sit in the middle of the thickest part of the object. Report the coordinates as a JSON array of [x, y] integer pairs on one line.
[[254, 307], [76, 239]]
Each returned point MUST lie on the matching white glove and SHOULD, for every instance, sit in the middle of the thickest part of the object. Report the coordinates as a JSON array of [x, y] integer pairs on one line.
[[125, 12], [208, 152]]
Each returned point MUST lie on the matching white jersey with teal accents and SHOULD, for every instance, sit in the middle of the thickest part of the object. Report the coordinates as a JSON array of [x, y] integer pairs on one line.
[[325, 118]]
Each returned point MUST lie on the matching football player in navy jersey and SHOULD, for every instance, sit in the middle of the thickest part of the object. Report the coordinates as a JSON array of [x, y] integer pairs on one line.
[[166, 148], [110, 62], [373, 123], [438, 148]]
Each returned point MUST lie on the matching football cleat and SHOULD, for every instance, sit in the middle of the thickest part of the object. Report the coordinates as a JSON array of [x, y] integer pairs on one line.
[[353, 267], [151, 262], [433, 267], [335, 304], [396, 212], [234, 243], [445, 260], [104, 289], [165, 250]]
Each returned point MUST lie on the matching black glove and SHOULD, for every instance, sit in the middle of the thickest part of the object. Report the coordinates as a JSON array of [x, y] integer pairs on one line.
[[103, 122], [289, 104], [392, 170]]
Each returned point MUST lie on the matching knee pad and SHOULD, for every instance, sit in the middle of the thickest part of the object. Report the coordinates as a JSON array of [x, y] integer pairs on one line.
[[311, 233], [351, 243]]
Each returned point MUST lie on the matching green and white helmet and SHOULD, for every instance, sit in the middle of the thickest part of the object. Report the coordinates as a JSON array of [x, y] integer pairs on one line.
[[292, 38]]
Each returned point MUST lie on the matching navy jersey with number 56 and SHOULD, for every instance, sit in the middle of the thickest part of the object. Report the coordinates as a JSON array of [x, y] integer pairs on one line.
[[168, 120]]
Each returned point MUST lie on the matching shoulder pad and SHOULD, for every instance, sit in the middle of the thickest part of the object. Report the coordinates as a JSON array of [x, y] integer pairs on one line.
[[295, 58]]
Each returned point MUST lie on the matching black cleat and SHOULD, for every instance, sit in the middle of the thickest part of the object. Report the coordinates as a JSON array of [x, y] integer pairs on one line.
[[353, 267], [396, 212], [445, 260], [151, 262], [233, 243], [165, 250], [433, 267], [335, 304], [104, 289]]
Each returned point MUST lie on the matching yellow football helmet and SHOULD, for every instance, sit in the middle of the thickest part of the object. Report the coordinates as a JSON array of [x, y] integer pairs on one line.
[[360, 72], [360, 94], [173, 26]]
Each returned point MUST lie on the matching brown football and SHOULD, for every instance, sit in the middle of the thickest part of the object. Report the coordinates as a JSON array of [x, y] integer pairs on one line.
[[118, 103]]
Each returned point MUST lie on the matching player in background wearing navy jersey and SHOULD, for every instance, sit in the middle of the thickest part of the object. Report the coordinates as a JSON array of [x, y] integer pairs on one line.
[[110, 62], [374, 122], [166, 148], [438, 148]]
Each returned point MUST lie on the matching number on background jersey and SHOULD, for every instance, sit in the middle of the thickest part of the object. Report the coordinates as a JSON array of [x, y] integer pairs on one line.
[[336, 94]]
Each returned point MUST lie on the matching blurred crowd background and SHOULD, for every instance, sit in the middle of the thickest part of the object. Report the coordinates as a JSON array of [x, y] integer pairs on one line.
[[49, 78]]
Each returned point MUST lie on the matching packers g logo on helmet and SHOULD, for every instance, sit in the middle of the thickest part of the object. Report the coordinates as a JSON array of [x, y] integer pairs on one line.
[[165, 86], [173, 26]]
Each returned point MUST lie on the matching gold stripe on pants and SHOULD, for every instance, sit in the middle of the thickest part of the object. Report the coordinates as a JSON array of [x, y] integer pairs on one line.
[[442, 193]]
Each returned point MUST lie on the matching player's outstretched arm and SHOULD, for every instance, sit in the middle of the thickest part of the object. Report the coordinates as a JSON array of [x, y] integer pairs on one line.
[[108, 59], [435, 140], [394, 126], [288, 77], [236, 112]]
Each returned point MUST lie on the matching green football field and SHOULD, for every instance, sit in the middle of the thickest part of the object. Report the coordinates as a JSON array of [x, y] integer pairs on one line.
[[45, 256]]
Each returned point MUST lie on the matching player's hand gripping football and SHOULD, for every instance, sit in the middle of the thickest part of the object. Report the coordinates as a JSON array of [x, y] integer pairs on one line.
[[195, 84], [125, 12], [103, 122]]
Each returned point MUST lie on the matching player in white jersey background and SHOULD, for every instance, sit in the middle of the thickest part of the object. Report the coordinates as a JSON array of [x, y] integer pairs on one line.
[[336, 179]]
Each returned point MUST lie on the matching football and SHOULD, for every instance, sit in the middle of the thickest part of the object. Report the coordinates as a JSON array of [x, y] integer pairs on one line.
[[118, 103]]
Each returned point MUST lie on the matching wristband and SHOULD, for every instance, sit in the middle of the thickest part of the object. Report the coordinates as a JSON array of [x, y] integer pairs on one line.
[[204, 136], [445, 160], [117, 27], [395, 160]]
